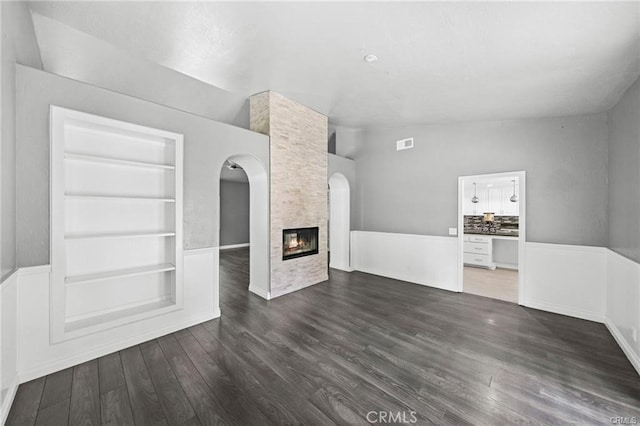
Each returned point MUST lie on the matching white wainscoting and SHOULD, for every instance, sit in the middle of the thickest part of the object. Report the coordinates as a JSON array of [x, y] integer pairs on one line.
[[591, 283], [566, 279], [419, 259], [37, 356], [8, 344], [623, 304]]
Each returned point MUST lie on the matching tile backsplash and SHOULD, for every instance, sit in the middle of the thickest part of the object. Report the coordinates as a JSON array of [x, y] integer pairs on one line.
[[501, 225]]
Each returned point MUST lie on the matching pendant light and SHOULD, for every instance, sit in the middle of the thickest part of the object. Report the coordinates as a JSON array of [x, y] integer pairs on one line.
[[514, 197], [475, 198]]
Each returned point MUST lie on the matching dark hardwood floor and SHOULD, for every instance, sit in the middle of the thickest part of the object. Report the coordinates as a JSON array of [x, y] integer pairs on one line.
[[337, 351]]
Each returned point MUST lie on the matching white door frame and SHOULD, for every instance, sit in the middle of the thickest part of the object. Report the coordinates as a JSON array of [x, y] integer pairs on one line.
[[522, 227]]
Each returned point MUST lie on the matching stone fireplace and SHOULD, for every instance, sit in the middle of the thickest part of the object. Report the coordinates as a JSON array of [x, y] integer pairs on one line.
[[297, 141], [299, 242]]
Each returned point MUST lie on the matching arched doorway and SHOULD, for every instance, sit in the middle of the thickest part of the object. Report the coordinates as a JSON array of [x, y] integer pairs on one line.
[[259, 282], [339, 222]]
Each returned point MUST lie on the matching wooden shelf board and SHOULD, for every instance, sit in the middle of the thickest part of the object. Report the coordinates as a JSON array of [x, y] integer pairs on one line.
[[120, 273], [118, 235], [116, 161], [118, 197]]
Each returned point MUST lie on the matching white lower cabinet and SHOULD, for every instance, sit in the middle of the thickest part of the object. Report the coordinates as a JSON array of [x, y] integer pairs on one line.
[[478, 251]]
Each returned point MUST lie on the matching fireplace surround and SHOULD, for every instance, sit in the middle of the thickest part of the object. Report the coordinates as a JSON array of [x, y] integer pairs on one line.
[[299, 242]]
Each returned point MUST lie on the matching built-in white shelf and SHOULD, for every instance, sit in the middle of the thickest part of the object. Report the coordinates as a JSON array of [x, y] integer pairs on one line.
[[117, 197], [120, 316], [118, 235], [116, 223], [120, 273], [116, 161]]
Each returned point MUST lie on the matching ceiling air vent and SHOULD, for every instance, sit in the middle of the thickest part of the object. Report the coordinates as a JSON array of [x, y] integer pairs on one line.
[[404, 144]]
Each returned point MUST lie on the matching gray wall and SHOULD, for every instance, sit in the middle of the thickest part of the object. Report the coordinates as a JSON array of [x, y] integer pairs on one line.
[[349, 142], [348, 168], [234, 213], [624, 175], [415, 190], [18, 46], [505, 251], [207, 144]]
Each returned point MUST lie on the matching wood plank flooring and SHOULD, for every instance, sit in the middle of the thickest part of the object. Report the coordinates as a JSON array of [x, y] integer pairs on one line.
[[497, 284], [334, 352]]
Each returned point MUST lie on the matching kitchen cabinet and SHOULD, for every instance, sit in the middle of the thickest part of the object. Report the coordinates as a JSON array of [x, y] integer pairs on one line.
[[472, 209], [505, 205], [478, 251], [469, 208], [494, 198], [510, 208]]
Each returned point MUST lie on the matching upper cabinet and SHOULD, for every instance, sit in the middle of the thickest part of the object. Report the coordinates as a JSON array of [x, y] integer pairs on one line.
[[491, 198]]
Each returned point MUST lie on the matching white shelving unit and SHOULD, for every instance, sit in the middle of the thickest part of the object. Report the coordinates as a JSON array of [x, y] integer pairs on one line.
[[116, 223]]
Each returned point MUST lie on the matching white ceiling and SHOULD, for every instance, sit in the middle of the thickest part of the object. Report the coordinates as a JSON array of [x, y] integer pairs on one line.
[[439, 62]]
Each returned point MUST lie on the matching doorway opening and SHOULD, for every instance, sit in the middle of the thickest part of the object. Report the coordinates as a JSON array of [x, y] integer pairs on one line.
[[244, 227], [491, 235], [339, 222]]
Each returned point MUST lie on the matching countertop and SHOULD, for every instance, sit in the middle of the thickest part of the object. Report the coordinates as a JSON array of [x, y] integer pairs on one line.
[[494, 236]]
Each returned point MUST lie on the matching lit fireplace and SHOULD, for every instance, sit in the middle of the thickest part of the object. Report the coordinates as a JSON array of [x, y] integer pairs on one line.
[[299, 242]]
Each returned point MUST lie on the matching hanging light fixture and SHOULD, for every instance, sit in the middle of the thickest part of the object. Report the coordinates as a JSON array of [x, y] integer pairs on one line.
[[514, 197], [475, 198]]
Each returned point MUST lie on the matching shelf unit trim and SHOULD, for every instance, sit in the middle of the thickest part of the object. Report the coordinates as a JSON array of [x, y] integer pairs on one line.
[[118, 197], [116, 317], [118, 235], [116, 161], [118, 273]]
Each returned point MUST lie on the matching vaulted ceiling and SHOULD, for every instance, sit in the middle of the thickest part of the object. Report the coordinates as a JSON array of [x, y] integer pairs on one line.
[[437, 62]]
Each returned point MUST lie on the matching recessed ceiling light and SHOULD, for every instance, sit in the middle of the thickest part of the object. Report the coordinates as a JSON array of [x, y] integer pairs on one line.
[[370, 58]]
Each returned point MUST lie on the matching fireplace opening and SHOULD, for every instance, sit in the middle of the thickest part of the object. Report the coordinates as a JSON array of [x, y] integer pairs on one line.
[[299, 242]]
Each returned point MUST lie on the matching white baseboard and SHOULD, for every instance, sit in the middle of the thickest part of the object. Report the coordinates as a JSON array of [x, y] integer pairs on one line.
[[506, 266], [233, 246], [564, 310], [79, 358], [8, 400], [345, 268], [631, 355], [264, 294]]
